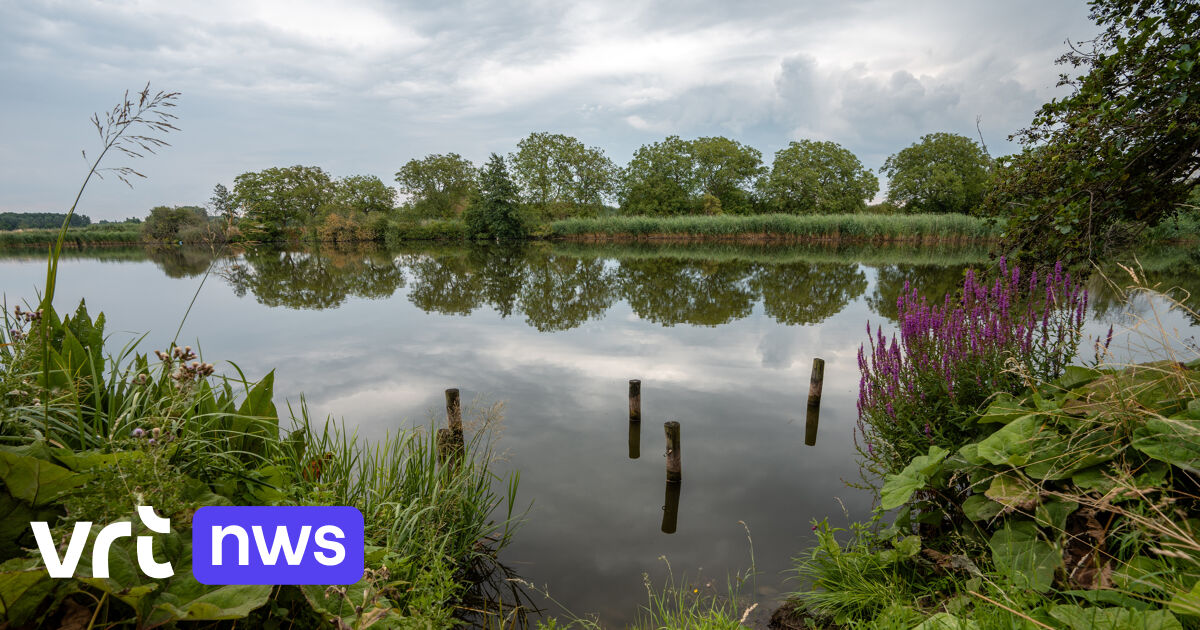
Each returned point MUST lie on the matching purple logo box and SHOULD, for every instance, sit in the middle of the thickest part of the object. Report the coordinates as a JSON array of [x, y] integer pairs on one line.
[[277, 545]]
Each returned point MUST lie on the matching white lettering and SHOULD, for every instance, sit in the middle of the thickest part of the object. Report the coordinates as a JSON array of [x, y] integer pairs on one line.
[[243, 543], [65, 568], [338, 549], [282, 541]]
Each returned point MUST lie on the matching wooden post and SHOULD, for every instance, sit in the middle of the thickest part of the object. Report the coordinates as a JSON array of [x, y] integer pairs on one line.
[[635, 440], [815, 385], [445, 438], [674, 467], [635, 401], [671, 508], [454, 411]]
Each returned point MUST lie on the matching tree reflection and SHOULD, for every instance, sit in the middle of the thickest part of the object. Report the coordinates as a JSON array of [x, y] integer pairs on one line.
[[670, 291], [933, 282], [807, 293], [318, 279], [181, 262], [445, 283], [562, 292]]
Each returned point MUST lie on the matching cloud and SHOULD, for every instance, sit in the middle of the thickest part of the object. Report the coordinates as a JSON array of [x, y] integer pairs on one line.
[[367, 85]]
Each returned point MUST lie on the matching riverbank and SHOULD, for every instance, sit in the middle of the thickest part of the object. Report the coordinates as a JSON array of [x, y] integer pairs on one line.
[[87, 436], [1037, 493]]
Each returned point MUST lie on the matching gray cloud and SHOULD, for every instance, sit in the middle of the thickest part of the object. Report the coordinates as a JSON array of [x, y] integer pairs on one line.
[[364, 86]]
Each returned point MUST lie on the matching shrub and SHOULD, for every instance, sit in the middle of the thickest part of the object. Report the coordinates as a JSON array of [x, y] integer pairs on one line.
[[920, 387]]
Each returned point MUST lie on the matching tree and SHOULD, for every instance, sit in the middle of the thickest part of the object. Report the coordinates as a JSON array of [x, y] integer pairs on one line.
[[677, 176], [282, 199], [363, 193], [555, 169], [944, 172], [660, 180], [818, 177], [1122, 150], [493, 212], [438, 185], [727, 170], [167, 223], [223, 204]]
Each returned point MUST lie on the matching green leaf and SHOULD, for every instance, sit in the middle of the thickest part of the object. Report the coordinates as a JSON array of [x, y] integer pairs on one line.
[[24, 585], [1077, 376], [978, 507], [1094, 618], [946, 621], [36, 481], [1003, 410], [1012, 492], [1172, 440], [1022, 557], [899, 488], [1053, 514], [1012, 443], [1187, 603]]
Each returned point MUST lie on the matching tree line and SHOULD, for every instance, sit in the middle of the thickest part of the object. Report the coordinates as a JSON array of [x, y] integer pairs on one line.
[[40, 220], [553, 176], [1119, 154]]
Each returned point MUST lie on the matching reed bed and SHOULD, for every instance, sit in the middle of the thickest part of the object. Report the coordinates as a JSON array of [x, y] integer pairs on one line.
[[783, 227]]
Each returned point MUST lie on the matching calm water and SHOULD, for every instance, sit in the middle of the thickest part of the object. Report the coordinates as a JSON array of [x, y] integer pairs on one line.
[[722, 339]]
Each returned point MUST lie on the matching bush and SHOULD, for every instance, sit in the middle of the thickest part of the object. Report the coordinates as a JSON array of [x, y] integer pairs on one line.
[[921, 387]]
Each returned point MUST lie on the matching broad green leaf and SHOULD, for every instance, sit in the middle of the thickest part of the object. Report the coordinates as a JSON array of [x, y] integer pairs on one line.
[[1012, 443], [1053, 514], [1187, 602], [1172, 440], [899, 488], [1077, 376], [36, 481], [1012, 492], [1095, 618], [978, 507], [24, 585], [1056, 456], [1023, 557], [1003, 410]]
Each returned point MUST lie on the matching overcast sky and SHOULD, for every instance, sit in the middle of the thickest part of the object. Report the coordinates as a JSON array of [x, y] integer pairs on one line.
[[360, 87]]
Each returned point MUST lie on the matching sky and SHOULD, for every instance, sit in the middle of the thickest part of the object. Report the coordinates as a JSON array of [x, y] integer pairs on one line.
[[362, 86]]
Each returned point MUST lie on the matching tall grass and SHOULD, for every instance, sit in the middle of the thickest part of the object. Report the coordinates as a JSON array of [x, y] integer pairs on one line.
[[78, 237], [785, 226]]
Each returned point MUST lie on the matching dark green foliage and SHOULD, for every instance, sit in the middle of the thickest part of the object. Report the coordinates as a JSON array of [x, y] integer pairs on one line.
[[173, 223], [944, 172], [707, 175], [223, 204], [1122, 150], [40, 220], [279, 202], [439, 186], [558, 176], [365, 194], [493, 212], [818, 177]]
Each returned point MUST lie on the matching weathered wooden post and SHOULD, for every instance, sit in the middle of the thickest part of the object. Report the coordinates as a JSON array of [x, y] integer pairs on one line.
[[450, 441], [671, 508], [674, 468], [635, 440], [635, 400], [454, 411], [815, 385]]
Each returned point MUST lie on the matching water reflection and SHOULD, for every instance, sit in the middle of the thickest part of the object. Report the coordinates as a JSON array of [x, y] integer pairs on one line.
[[552, 290], [319, 279], [670, 517]]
